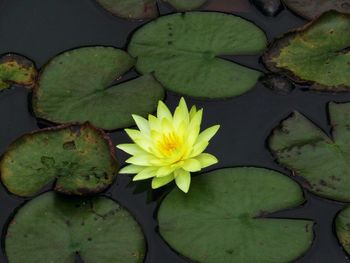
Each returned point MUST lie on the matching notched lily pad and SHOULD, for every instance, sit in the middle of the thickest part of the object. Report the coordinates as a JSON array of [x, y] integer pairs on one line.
[[77, 86], [80, 159], [317, 54], [51, 228], [342, 228], [17, 70], [223, 218], [322, 162], [183, 51], [145, 9], [311, 9]]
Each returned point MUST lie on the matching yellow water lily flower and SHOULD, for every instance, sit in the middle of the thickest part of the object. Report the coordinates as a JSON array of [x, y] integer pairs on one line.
[[168, 147]]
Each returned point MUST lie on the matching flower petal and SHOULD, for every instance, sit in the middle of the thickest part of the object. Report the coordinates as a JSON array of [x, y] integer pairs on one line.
[[163, 111], [193, 111], [181, 114], [142, 160], [183, 180], [131, 169], [207, 134], [165, 170], [198, 148], [161, 181], [154, 123], [194, 128], [206, 159], [141, 123], [146, 173], [131, 148], [192, 165]]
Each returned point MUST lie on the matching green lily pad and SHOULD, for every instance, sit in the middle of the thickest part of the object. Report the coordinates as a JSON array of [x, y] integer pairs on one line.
[[311, 9], [182, 51], [17, 70], [222, 219], [80, 159], [322, 162], [342, 228], [51, 228], [77, 86], [145, 9], [316, 54]]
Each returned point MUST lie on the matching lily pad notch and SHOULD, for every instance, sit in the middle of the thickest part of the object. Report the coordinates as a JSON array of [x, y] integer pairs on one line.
[[182, 51], [53, 228], [322, 161], [145, 9], [316, 54], [222, 219], [80, 159], [77, 86]]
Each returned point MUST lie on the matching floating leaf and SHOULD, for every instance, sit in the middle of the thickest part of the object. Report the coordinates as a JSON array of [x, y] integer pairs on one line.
[[305, 149], [51, 228], [316, 54], [182, 51], [144, 9], [222, 218], [80, 159], [15, 69], [311, 9], [342, 228], [76, 86]]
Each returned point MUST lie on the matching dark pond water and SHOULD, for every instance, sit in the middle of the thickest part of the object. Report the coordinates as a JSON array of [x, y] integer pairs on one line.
[[40, 29]]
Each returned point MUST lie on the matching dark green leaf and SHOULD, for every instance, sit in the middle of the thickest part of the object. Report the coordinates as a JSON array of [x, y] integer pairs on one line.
[[223, 218], [80, 158], [77, 86], [51, 229], [342, 228], [321, 161], [182, 51], [15, 69], [316, 54], [311, 9]]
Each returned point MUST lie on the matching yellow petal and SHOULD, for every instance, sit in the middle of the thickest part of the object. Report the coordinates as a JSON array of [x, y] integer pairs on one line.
[[163, 111], [141, 123], [161, 181], [181, 114], [165, 170], [134, 134], [154, 123], [183, 180], [206, 159], [193, 111], [198, 148], [192, 165], [207, 134], [166, 126], [194, 128], [131, 148], [142, 160], [146, 173], [131, 169]]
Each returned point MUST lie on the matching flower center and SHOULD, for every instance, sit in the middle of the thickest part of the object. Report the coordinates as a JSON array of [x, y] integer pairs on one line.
[[168, 143]]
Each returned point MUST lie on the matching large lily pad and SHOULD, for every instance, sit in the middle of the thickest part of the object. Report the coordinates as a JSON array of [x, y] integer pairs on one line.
[[77, 86], [222, 219], [17, 70], [182, 51], [311, 9], [80, 159], [321, 161], [316, 54], [342, 228], [145, 9], [51, 228]]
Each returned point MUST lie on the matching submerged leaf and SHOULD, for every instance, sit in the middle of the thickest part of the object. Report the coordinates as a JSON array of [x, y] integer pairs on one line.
[[222, 218], [182, 50], [51, 228], [77, 86], [145, 9], [342, 228], [317, 54], [321, 161], [18, 70], [311, 9], [80, 159]]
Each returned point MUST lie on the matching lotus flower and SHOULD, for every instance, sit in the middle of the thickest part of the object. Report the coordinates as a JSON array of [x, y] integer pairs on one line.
[[169, 147]]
